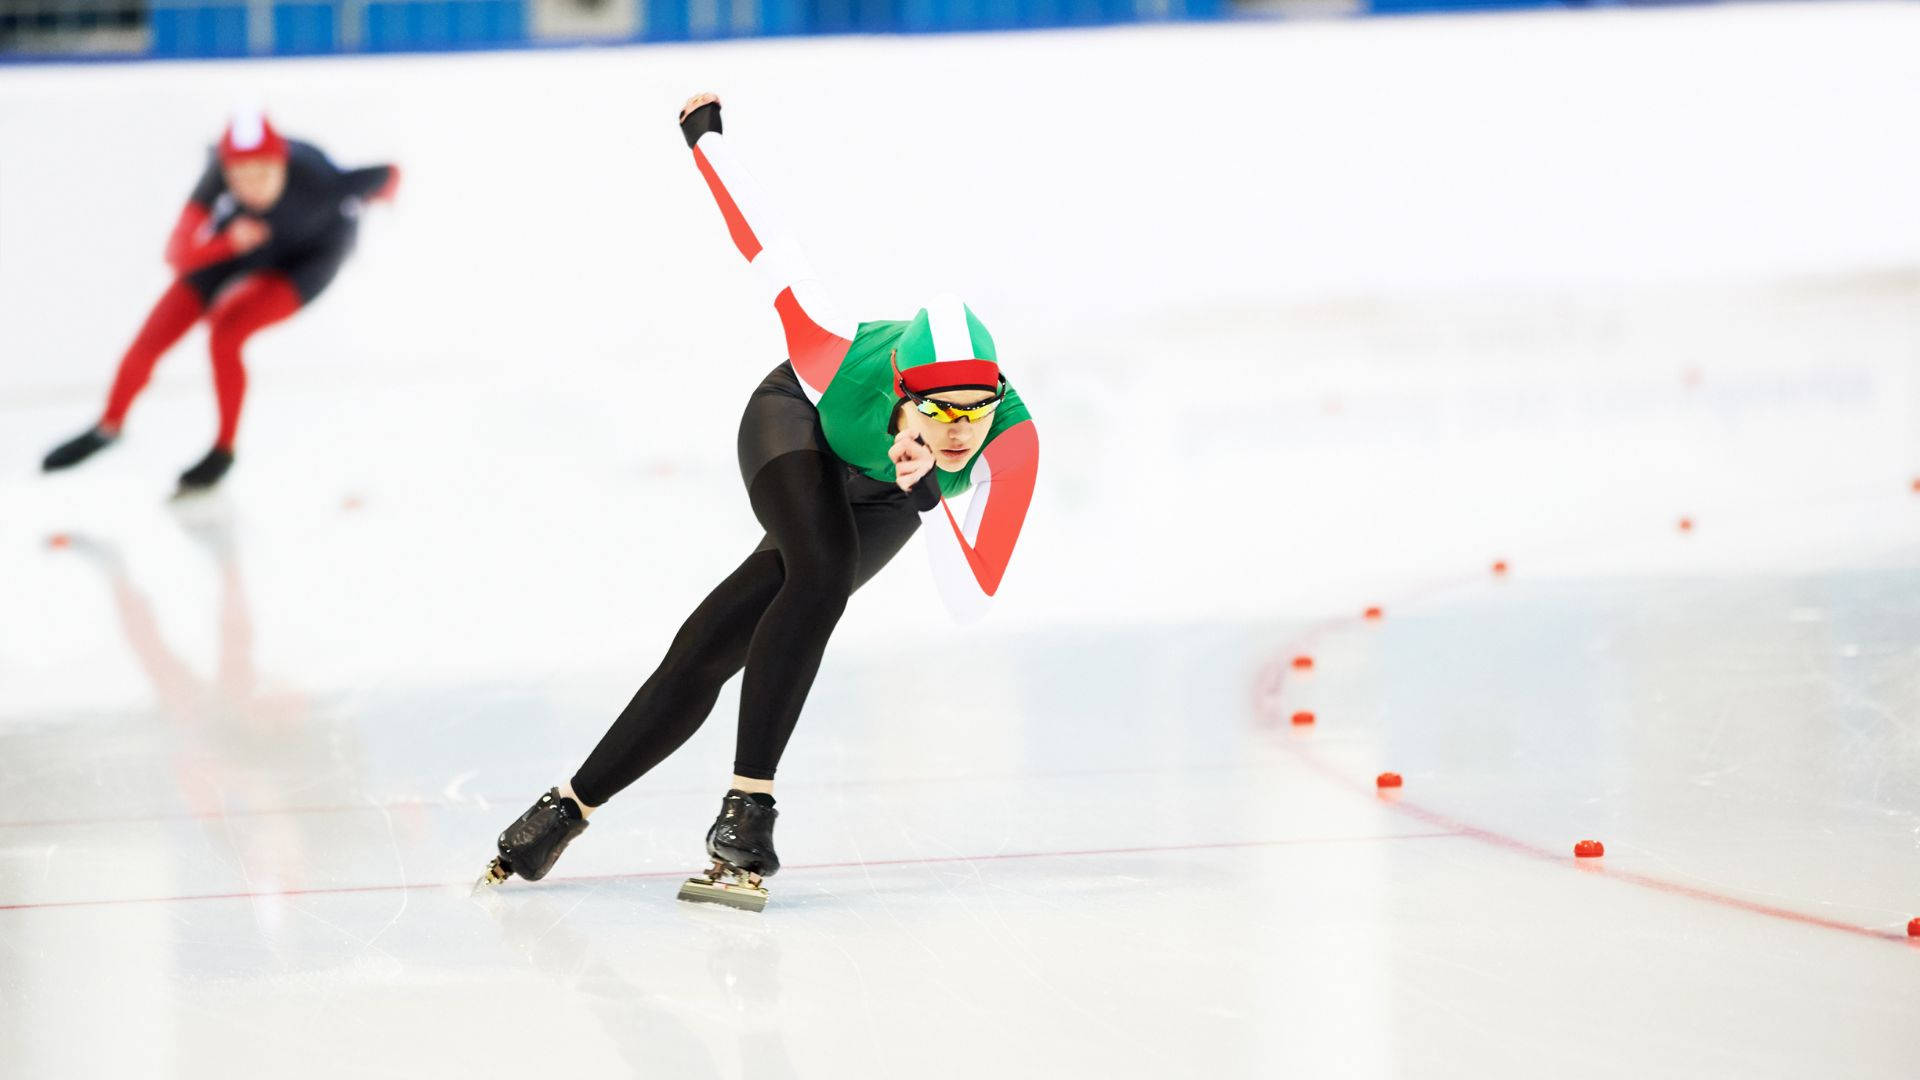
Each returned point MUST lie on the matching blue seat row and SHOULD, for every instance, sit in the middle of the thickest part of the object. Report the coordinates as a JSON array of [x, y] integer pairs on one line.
[[215, 28]]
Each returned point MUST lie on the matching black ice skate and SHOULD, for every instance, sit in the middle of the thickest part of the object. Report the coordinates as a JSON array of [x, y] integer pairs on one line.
[[741, 846], [533, 843], [77, 449], [206, 472]]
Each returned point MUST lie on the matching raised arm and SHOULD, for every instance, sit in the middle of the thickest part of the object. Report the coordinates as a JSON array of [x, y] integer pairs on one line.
[[970, 558], [817, 335]]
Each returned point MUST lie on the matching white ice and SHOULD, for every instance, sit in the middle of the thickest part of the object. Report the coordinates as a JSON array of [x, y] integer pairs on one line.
[[1312, 316]]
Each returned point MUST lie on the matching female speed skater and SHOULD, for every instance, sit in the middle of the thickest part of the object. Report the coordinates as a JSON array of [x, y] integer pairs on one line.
[[845, 449], [262, 235]]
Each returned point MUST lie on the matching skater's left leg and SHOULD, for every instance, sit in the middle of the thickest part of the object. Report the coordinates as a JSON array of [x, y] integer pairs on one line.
[[251, 306], [881, 526], [257, 302], [881, 518], [801, 499]]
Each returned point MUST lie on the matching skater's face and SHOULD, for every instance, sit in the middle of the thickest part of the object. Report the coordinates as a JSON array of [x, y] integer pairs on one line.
[[953, 444], [256, 182]]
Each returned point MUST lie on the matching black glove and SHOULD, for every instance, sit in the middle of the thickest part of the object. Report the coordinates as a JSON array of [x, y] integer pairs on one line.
[[700, 121], [926, 490]]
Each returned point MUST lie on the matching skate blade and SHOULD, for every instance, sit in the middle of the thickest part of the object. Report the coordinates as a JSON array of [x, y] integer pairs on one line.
[[495, 876], [702, 890]]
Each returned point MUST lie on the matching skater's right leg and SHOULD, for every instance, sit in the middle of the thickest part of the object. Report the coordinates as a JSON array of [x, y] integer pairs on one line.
[[710, 648], [179, 308], [533, 843], [170, 319]]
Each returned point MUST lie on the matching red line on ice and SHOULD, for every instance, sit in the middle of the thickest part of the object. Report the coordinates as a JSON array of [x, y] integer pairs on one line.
[[638, 874], [1273, 677], [492, 802], [1457, 827]]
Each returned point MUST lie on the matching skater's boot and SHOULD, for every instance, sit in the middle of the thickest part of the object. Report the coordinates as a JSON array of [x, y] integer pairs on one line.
[[77, 449], [207, 471], [742, 836], [741, 846], [533, 843]]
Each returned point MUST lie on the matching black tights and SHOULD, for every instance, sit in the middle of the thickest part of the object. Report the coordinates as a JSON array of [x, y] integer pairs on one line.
[[773, 616]]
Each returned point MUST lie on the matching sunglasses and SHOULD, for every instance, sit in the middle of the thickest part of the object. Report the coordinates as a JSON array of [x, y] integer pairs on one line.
[[947, 413]]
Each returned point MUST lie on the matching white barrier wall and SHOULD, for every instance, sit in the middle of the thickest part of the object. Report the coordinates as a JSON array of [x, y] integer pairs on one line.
[[550, 213]]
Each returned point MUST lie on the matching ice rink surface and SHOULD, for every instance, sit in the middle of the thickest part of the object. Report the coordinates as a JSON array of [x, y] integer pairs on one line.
[[1312, 318]]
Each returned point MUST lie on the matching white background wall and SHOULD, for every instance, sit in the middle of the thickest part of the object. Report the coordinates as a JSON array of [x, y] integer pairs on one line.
[[1051, 177]]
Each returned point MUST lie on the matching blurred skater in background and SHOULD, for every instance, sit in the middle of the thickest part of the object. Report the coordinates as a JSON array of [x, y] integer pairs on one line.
[[845, 449], [262, 235]]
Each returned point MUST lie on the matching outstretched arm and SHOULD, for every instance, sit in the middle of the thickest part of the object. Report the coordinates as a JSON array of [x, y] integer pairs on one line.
[[970, 559], [817, 335], [371, 184]]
